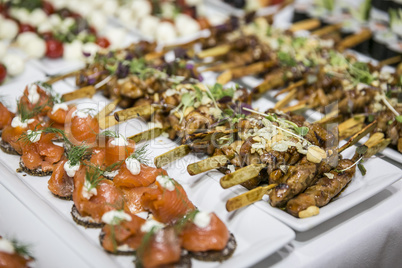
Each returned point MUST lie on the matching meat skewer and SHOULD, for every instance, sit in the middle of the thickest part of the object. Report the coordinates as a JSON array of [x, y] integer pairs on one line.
[[374, 144]]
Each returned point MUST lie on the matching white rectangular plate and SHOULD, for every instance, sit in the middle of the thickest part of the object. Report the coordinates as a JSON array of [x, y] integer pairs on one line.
[[380, 174]]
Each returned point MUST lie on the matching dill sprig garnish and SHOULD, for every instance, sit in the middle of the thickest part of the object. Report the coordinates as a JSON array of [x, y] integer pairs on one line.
[[58, 131], [76, 153], [144, 244], [26, 114], [93, 176], [142, 155], [181, 223], [22, 249], [109, 133], [27, 136], [112, 166]]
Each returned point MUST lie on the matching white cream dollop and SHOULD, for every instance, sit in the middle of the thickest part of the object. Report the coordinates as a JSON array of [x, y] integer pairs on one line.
[[119, 141], [111, 174], [6, 246], [151, 223], [58, 106], [166, 182], [34, 135], [80, 114], [133, 165], [202, 219], [33, 95], [71, 170], [87, 192], [110, 217], [17, 122]]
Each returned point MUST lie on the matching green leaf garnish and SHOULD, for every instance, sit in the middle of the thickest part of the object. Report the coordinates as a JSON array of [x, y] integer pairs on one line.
[[142, 155], [76, 153], [219, 92], [181, 223], [21, 249], [398, 118], [361, 149], [286, 59], [362, 168], [93, 176]]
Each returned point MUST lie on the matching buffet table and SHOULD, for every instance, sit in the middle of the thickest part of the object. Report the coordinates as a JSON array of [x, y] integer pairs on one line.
[[366, 235]]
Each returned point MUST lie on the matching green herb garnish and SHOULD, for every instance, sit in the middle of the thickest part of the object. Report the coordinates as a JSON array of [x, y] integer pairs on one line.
[[142, 155]]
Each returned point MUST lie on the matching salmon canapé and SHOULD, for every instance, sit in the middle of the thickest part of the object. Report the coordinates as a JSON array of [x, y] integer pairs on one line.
[[39, 152], [82, 128], [11, 133], [94, 195], [162, 248], [35, 96], [205, 232], [168, 202], [60, 184], [125, 233]]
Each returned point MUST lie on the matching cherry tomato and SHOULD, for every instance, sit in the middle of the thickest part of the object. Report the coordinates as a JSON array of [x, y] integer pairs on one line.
[[102, 42], [54, 49], [48, 8], [3, 73], [26, 28]]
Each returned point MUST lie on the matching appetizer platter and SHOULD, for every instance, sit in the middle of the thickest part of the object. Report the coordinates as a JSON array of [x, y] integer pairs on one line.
[[124, 149]]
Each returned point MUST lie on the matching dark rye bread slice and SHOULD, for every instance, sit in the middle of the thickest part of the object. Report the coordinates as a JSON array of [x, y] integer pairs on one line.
[[7, 148], [33, 172], [120, 252], [184, 262], [68, 198], [87, 222], [217, 255]]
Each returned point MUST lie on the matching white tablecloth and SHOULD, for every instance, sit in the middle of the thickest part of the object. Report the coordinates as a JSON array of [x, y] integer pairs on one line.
[[368, 235]]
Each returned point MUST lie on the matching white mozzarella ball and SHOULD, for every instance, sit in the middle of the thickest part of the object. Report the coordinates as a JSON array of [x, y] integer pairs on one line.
[[3, 49], [193, 2], [141, 8], [25, 37], [110, 7], [116, 37], [20, 14], [148, 25], [59, 4], [125, 14], [45, 27], [73, 51], [37, 17], [98, 20], [8, 29], [166, 32], [36, 48], [168, 10], [14, 64], [54, 20], [186, 25]]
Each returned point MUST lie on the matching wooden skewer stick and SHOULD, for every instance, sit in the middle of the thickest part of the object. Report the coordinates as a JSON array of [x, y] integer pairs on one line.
[[172, 155], [248, 198], [207, 164], [134, 112], [85, 92], [215, 51], [327, 29], [351, 126], [376, 143], [108, 109], [54, 79], [302, 105], [291, 87], [354, 39], [241, 175], [307, 24], [390, 61], [288, 98], [238, 72], [355, 138], [147, 135], [107, 122]]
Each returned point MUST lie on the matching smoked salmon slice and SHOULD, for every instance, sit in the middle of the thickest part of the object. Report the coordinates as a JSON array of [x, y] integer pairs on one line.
[[161, 248], [215, 236], [167, 205], [59, 183], [107, 196], [132, 197], [126, 233], [11, 134], [5, 116], [146, 177], [82, 130]]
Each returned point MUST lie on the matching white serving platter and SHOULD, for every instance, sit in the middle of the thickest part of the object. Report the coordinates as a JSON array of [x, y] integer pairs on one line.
[[380, 174], [254, 244]]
